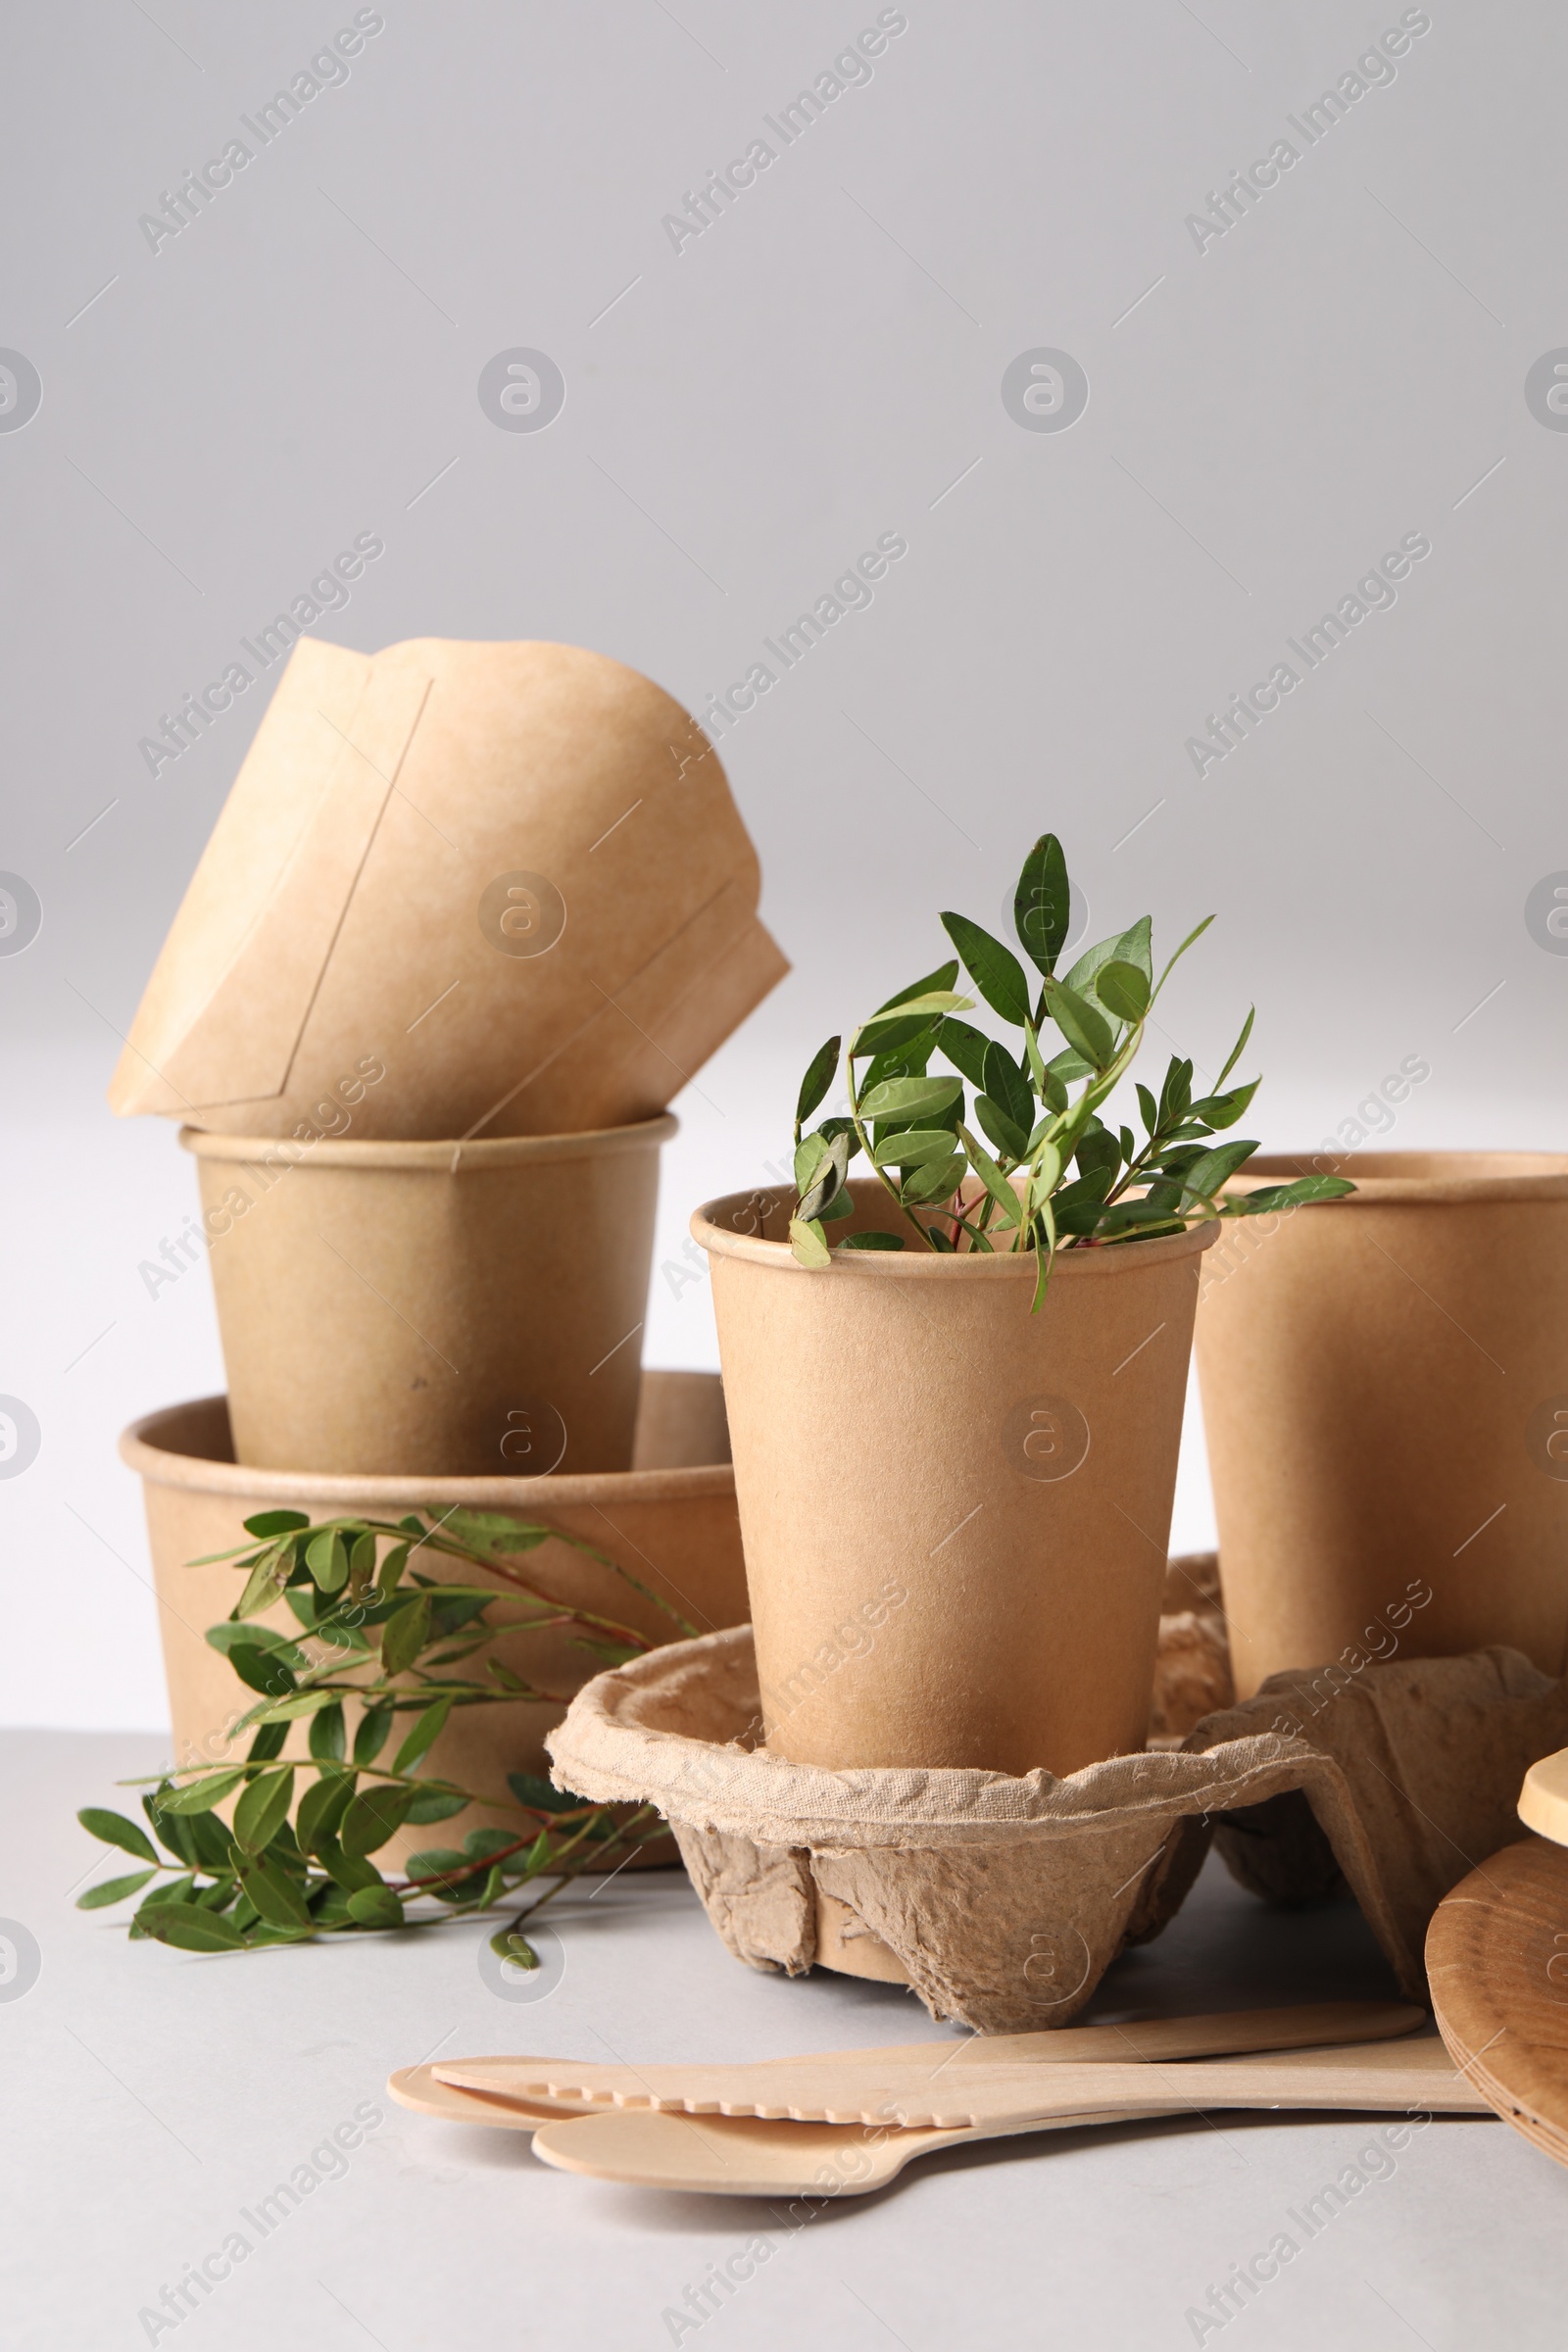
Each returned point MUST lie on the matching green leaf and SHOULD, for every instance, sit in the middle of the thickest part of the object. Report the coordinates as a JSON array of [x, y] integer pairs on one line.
[[1207, 1174], [908, 1060], [1192, 936], [276, 1523], [349, 1872], [498, 1532], [933, 1182], [1004, 1132], [991, 1176], [188, 1930], [427, 1730], [809, 1245], [232, 1635], [1123, 990], [326, 1736], [910, 1098], [115, 1891], [1223, 1110], [279, 1900], [531, 1788], [1042, 903], [1009, 1087], [873, 1240], [1098, 1147], [304, 1702], [444, 1871], [265, 1581], [818, 1078], [321, 1808], [827, 1180], [172, 1831], [933, 982], [327, 1556], [1300, 1194], [1081, 979], [370, 1735], [261, 1669], [390, 1572], [375, 1907], [267, 1741], [406, 1635], [912, 1147], [200, 1797], [1085, 1029], [1238, 1049], [362, 1563], [374, 1816], [1045, 1178], [479, 1844], [965, 1048], [994, 969], [263, 1808], [434, 1804], [812, 1153], [115, 1830], [1134, 946]]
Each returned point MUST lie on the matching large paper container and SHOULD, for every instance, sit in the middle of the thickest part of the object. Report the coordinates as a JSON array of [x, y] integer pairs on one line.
[[955, 1513], [1384, 1385], [455, 890], [462, 1310], [670, 1519]]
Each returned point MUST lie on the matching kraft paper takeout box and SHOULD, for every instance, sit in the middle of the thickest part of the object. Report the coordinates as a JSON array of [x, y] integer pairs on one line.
[[511, 874]]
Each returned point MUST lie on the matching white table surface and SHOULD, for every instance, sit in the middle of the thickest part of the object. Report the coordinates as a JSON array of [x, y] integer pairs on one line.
[[154, 2097]]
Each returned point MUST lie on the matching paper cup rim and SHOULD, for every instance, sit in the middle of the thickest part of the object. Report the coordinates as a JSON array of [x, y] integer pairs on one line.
[[908, 1266], [381, 1494], [1417, 1179], [450, 1156]]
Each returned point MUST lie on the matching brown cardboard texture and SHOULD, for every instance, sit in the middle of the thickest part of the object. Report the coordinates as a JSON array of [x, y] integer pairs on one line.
[[1386, 1403], [955, 1512], [1005, 1898], [434, 1310], [514, 874], [671, 1522]]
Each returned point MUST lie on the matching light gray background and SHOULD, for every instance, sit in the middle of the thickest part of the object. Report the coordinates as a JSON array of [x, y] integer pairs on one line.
[[1266, 418]]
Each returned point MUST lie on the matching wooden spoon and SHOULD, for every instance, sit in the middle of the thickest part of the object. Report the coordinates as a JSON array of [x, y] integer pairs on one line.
[[750, 2157], [917, 2065]]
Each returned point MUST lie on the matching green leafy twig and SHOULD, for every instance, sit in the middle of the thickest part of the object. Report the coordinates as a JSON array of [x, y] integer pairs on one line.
[[373, 1629], [1056, 1175]]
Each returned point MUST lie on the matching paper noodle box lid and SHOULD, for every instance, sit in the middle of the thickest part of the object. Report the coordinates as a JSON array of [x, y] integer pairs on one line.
[[510, 880]]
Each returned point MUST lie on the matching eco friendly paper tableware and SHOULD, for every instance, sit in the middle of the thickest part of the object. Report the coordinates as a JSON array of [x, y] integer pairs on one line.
[[510, 873], [955, 1512], [1385, 1404], [432, 1310]]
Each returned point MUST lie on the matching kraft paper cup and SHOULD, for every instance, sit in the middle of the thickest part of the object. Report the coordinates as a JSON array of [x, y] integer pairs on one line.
[[433, 1309], [670, 1520], [1384, 1385], [955, 1513]]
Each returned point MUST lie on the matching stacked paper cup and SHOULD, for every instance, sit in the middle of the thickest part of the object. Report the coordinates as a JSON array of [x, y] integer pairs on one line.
[[470, 917]]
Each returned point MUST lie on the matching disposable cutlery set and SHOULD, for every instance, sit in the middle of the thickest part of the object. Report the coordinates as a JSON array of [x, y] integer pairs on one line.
[[848, 2121]]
